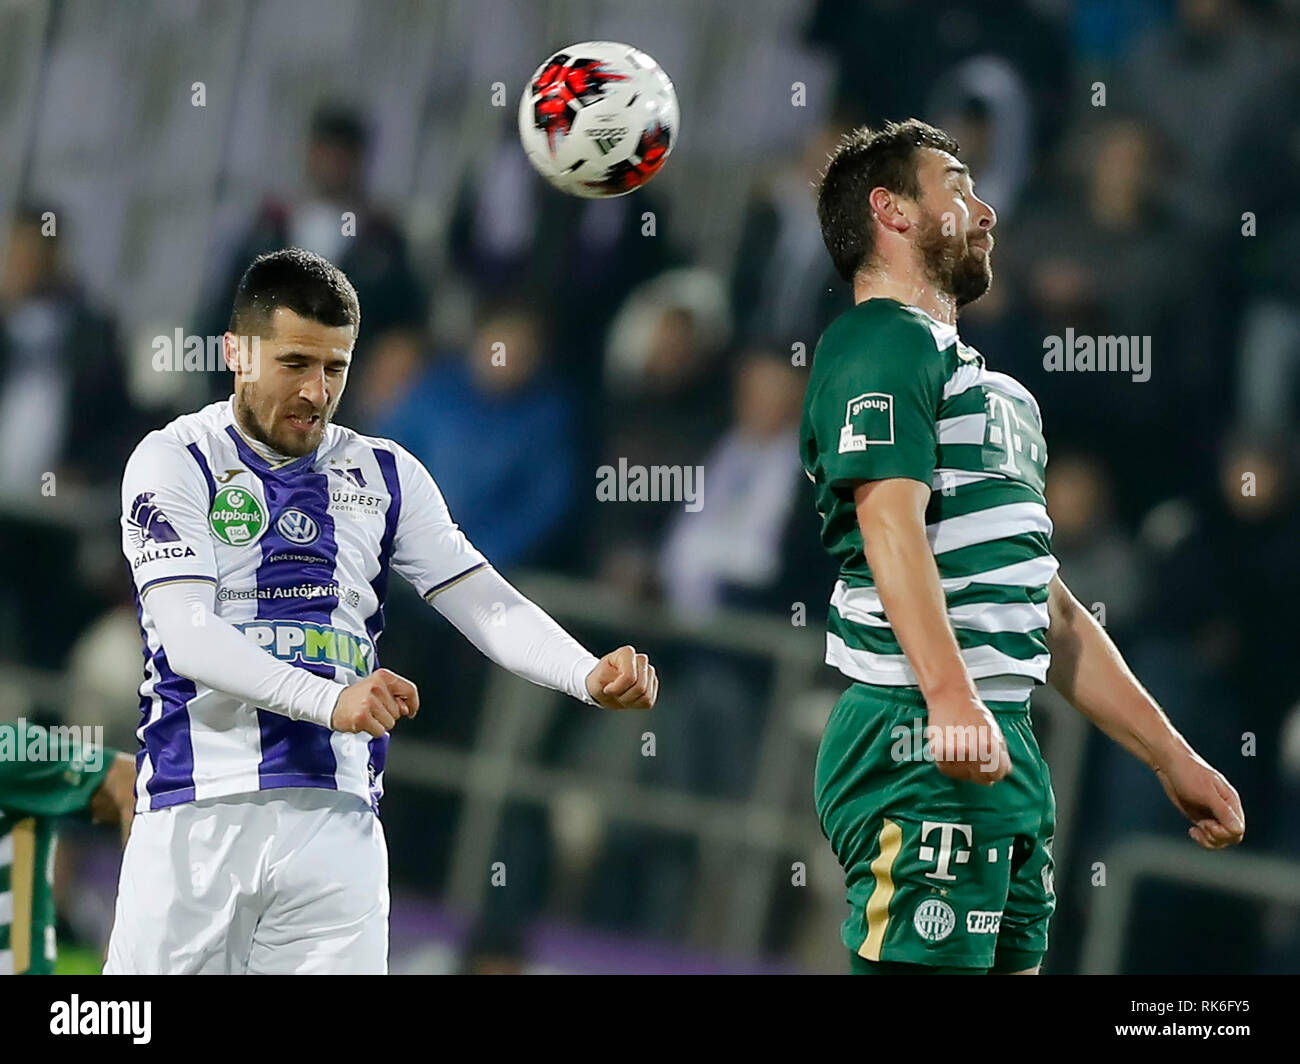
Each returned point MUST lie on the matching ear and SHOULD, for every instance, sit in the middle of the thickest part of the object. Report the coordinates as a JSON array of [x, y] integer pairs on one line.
[[241, 354], [889, 209], [230, 352]]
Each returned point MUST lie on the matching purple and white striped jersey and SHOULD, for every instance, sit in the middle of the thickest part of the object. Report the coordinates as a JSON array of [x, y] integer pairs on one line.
[[299, 553]]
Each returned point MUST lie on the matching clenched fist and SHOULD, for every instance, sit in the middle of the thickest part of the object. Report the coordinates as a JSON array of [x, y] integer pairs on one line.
[[374, 704], [1205, 797], [624, 679], [966, 742]]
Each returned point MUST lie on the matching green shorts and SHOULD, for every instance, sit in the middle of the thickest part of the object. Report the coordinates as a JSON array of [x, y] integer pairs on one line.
[[939, 872]]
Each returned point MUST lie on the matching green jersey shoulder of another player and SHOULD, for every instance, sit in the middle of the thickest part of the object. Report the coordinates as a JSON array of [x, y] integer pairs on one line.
[[895, 393], [40, 780]]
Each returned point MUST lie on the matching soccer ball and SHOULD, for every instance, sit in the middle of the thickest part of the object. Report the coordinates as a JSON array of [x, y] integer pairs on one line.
[[598, 119]]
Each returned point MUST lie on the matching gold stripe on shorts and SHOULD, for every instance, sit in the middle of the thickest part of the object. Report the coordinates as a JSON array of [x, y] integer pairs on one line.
[[891, 841], [23, 885]]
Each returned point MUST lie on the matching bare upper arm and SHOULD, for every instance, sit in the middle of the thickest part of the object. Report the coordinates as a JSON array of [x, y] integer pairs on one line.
[[892, 501], [1060, 603]]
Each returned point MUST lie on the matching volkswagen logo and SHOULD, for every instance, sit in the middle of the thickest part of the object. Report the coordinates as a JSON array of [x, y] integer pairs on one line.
[[297, 527]]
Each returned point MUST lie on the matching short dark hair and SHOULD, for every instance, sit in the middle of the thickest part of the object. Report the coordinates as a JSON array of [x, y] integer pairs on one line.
[[337, 123], [865, 159], [306, 283], [31, 213]]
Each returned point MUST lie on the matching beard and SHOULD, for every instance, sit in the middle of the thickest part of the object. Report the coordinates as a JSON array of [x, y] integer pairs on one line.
[[952, 265], [286, 442]]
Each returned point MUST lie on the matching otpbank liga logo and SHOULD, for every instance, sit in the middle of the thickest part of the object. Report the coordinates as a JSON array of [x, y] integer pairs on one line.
[[237, 517]]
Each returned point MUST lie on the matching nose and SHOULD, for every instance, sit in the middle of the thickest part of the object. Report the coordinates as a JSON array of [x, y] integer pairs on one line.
[[314, 389], [985, 216]]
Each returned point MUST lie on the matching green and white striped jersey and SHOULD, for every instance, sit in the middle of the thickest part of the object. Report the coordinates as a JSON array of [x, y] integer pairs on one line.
[[40, 780], [895, 393]]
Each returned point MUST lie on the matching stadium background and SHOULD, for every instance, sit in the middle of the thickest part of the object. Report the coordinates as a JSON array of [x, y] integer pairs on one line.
[[1144, 160]]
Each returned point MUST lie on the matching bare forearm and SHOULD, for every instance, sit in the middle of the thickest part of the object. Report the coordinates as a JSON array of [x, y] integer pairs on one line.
[[114, 799], [1091, 674]]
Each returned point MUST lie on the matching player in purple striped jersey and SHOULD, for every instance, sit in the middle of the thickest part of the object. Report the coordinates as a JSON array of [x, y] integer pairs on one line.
[[261, 537]]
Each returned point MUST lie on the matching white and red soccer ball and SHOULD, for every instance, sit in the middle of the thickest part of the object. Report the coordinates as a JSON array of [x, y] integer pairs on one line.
[[598, 119]]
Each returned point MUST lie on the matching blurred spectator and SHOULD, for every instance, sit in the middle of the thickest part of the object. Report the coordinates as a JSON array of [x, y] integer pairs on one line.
[[1265, 171], [664, 377], [1194, 79], [64, 410], [1269, 383], [1287, 837], [1103, 32], [983, 104], [731, 552], [1100, 256], [783, 287], [103, 671], [1282, 940], [1099, 250], [667, 334], [372, 251], [1255, 529], [64, 405], [495, 431], [1221, 580], [512, 233], [383, 380], [1213, 654], [1098, 561], [752, 476], [892, 54]]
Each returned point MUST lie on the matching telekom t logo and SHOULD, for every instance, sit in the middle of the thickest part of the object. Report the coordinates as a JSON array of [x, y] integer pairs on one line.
[[946, 852]]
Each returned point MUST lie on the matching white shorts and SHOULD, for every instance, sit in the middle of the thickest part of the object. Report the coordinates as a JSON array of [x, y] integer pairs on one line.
[[286, 881]]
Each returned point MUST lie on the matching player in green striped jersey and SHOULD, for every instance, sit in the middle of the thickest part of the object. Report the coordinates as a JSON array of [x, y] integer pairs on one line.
[[43, 778], [928, 469]]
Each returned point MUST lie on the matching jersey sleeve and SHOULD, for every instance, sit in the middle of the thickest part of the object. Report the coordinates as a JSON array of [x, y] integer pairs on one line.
[[44, 778], [875, 414], [517, 634], [429, 549], [165, 502]]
